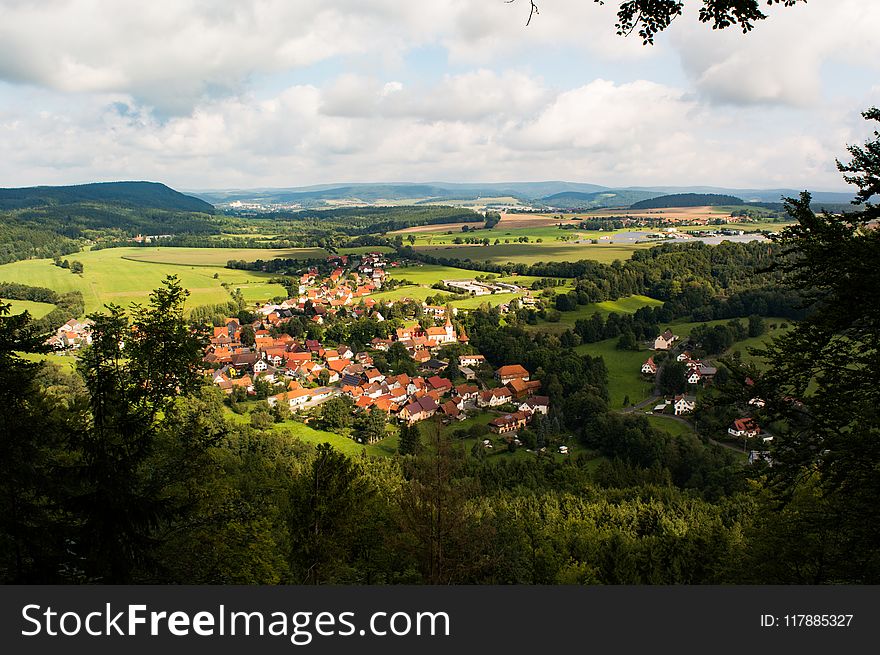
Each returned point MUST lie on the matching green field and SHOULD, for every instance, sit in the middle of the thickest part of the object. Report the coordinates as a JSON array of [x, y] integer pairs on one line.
[[758, 342], [36, 309], [627, 305], [670, 426], [315, 437], [492, 300], [218, 256], [532, 253], [110, 276], [362, 250], [408, 291], [624, 374], [428, 274]]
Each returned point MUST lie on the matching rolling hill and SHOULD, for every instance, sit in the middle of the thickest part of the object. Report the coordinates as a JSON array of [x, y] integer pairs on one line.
[[598, 199], [687, 200], [153, 195]]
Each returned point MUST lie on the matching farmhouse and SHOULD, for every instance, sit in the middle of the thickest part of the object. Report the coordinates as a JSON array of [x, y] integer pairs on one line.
[[509, 422], [664, 341], [423, 408], [649, 367], [471, 360], [744, 427], [684, 404], [511, 372]]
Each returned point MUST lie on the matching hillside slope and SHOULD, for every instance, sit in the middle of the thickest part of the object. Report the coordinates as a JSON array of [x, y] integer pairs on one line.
[[153, 195]]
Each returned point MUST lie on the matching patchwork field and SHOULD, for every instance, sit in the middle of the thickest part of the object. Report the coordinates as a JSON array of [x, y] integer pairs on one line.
[[532, 253], [36, 309], [112, 276]]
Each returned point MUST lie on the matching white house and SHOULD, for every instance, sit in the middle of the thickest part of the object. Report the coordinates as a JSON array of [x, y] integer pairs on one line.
[[664, 341], [684, 404], [744, 427], [649, 367]]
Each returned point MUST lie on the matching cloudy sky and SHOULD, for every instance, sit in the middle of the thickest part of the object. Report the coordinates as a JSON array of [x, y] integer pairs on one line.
[[206, 94]]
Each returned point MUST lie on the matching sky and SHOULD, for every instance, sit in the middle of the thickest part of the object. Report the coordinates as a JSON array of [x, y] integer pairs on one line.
[[218, 94]]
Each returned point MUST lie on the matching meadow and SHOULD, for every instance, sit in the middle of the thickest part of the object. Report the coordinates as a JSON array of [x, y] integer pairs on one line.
[[218, 256], [532, 253], [624, 375], [111, 275], [36, 309], [627, 305]]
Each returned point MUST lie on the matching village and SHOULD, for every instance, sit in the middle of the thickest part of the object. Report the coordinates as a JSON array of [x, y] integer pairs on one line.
[[259, 360], [699, 374]]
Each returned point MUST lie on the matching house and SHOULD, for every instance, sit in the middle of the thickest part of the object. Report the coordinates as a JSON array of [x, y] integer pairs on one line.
[[744, 428], [664, 341], [451, 409], [468, 373], [519, 388], [693, 376], [468, 392], [707, 372], [471, 360], [437, 383], [536, 404], [321, 393], [683, 356], [684, 404], [649, 367], [757, 402], [511, 372], [434, 365], [509, 422], [494, 397], [419, 410]]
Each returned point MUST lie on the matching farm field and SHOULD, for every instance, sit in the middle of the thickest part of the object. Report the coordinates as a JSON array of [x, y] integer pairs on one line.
[[218, 256], [36, 309], [429, 274], [627, 305], [624, 377], [408, 291], [110, 276], [493, 300], [532, 253]]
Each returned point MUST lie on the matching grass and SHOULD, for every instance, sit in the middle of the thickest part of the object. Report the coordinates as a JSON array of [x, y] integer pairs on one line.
[[362, 250], [67, 362], [627, 305], [429, 274], [36, 309], [312, 436], [111, 276], [669, 426], [624, 371], [758, 342], [218, 256], [255, 292], [494, 299], [409, 291], [532, 253]]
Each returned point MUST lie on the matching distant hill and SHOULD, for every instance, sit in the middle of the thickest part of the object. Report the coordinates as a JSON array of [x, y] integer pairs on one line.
[[597, 200], [437, 192], [687, 200], [152, 195]]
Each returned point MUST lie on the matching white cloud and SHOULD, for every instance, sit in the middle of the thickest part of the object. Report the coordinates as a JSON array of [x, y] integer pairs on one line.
[[781, 61], [222, 94]]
